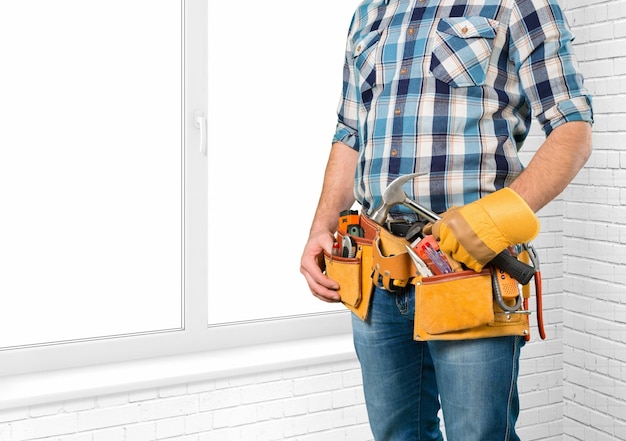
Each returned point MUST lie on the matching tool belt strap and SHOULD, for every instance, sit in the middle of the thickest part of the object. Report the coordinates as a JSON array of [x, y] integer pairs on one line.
[[391, 264], [390, 271]]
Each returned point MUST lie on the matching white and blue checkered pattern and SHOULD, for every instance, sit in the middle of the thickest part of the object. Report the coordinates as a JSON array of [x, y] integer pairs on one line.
[[449, 87]]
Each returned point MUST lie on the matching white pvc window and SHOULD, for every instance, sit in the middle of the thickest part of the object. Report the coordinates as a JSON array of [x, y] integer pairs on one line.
[[274, 84], [159, 169], [90, 169]]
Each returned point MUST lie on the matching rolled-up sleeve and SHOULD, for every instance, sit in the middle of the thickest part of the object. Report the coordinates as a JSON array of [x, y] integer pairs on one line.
[[346, 135], [348, 108], [541, 50]]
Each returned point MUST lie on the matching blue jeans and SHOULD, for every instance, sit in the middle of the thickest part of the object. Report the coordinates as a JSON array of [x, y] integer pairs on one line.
[[405, 381]]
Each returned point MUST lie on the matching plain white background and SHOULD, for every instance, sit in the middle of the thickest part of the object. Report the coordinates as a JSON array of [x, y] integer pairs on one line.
[[90, 169]]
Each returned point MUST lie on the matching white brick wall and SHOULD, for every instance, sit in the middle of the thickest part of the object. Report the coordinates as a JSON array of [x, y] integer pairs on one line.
[[594, 238], [315, 403], [541, 381]]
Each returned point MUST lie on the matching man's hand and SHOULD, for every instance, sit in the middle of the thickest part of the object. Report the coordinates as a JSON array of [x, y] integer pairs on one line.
[[310, 266], [337, 195], [475, 233]]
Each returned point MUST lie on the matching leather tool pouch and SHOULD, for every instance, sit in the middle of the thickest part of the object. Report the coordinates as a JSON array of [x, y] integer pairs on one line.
[[354, 274], [460, 306], [392, 267], [381, 259]]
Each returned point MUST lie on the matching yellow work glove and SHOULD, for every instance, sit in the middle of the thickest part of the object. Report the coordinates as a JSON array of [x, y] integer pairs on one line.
[[475, 233]]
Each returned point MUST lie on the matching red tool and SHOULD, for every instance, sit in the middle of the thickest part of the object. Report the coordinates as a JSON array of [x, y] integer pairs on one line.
[[534, 259]]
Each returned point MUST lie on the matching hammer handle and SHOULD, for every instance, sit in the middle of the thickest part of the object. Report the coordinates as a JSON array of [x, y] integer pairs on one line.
[[516, 268]]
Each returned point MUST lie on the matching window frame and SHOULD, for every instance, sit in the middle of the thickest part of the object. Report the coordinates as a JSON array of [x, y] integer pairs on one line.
[[196, 335]]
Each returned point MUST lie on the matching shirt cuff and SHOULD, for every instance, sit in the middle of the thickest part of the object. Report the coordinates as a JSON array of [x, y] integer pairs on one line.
[[575, 109], [347, 136]]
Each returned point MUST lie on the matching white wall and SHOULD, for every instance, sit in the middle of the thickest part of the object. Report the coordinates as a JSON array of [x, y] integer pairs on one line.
[[318, 402], [594, 239]]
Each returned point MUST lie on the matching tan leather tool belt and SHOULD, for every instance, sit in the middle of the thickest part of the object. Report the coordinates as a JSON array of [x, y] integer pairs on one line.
[[455, 306]]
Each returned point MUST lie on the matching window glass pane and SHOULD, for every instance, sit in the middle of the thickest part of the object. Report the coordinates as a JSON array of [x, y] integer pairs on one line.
[[273, 91], [90, 169]]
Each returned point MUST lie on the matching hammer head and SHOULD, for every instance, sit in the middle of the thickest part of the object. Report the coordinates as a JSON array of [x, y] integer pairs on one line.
[[393, 195]]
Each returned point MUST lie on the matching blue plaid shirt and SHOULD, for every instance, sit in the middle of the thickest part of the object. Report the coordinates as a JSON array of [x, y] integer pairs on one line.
[[449, 88]]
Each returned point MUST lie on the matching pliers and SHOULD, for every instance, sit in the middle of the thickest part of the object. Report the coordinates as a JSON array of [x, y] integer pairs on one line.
[[420, 265]]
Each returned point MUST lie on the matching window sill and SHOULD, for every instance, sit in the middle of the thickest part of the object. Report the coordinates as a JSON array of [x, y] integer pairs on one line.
[[69, 384]]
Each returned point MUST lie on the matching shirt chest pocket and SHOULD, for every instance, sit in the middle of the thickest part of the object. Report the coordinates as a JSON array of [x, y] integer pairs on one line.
[[364, 62], [461, 50]]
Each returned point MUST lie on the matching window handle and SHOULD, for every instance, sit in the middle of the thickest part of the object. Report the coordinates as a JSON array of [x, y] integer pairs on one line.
[[200, 123]]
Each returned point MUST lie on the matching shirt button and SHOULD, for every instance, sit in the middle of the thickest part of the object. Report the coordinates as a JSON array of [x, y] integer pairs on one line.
[[464, 30], [397, 111], [411, 31], [358, 49], [394, 152], [403, 71]]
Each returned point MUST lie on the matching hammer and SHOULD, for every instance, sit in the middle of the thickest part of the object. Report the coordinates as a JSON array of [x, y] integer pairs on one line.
[[394, 194]]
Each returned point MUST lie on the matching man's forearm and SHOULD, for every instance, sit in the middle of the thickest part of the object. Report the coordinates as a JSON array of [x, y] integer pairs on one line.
[[338, 188], [555, 164]]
